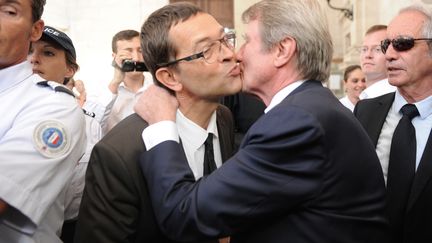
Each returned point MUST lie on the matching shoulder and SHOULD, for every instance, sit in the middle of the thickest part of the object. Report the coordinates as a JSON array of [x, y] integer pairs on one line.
[[56, 87], [126, 135], [223, 111], [367, 104], [224, 115]]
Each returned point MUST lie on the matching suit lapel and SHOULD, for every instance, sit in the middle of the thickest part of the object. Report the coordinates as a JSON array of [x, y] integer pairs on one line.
[[376, 113], [423, 174]]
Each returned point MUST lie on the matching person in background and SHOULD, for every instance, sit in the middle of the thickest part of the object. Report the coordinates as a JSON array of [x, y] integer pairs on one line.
[[306, 171], [373, 63], [53, 57], [400, 123], [125, 85], [41, 135], [190, 54], [354, 84]]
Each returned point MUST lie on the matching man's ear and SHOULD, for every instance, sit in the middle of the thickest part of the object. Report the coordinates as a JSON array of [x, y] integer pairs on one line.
[[37, 29], [285, 51], [168, 78]]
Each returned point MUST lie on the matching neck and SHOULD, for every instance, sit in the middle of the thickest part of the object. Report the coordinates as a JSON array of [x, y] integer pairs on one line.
[[278, 82], [198, 111], [134, 81], [353, 100], [416, 92], [373, 78]]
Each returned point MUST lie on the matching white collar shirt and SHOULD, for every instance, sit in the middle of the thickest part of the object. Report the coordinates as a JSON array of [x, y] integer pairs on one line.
[[422, 125], [282, 94], [193, 137], [379, 88], [347, 103]]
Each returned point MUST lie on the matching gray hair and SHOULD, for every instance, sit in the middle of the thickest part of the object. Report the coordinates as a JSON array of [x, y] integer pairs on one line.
[[304, 21], [427, 26]]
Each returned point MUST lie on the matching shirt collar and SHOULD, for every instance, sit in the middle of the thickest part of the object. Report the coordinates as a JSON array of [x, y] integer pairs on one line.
[[193, 134], [424, 106], [15, 74], [282, 94]]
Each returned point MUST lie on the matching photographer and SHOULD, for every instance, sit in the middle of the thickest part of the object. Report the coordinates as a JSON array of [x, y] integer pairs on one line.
[[128, 81]]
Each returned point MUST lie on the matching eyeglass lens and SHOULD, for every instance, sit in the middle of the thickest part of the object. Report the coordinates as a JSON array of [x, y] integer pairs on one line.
[[215, 50], [399, 44]]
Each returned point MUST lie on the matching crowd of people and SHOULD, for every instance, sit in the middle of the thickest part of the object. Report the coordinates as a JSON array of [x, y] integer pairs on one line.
[[225, 143]]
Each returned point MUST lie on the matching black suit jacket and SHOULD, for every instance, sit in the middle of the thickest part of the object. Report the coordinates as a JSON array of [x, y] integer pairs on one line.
[[418, 219], [116, 206], [305, 172]]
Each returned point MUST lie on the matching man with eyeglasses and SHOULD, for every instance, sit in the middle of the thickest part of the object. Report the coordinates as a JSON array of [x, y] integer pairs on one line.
[[373, 63], [305, 172], [192, 56], [400, 123]]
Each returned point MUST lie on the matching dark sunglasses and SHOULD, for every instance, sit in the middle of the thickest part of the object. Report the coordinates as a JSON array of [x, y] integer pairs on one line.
[[400, 43]]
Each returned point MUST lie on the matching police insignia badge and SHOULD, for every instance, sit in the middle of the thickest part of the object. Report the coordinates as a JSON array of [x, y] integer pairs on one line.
[[51, 139]]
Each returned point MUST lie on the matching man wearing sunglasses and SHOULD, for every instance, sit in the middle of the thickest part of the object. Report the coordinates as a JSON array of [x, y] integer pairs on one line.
[[400, 123], [190, 54], [306, 171], [373, 63]]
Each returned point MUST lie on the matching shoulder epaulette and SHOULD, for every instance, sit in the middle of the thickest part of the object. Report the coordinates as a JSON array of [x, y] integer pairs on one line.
[[88, 113], [56, 87]]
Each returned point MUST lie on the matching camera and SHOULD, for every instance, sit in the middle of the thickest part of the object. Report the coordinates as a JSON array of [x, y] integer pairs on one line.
[[130, 66]]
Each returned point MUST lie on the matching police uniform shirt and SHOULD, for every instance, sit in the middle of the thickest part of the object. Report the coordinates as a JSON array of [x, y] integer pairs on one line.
[[75, 187], [42, 137]]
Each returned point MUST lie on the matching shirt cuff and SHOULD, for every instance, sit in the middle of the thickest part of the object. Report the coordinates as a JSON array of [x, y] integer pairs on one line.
[[160, 132]]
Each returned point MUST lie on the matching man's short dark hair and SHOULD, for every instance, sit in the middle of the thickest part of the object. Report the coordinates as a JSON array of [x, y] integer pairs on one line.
[[155, 44], [123, 35], [37, 9], [376, 28]]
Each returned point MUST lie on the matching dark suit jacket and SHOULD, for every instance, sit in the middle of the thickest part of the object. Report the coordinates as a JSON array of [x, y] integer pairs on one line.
[[305, 172], [418, 219], [116, 206]]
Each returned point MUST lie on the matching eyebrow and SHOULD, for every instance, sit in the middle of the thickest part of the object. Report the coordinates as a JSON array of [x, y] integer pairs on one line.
[[205, 39], [10, 1]]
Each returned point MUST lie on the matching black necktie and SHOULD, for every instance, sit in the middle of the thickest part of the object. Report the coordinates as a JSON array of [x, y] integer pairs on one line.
[[209, 162], [401, 169]]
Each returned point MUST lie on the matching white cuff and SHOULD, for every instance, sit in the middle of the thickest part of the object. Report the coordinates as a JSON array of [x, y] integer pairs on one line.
[[160, 132]]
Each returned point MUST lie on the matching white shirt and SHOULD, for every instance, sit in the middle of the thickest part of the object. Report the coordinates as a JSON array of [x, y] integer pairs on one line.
[[282, 94], [41, 140], [75, 187], [379, 88], [192, 136], [347, 103], [422, 125], [121, 105]]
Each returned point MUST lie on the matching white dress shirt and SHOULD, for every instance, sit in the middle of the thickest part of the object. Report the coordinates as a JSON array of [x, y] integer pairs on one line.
[[192, 136], [379, 88], [347, 103], [422, 125]]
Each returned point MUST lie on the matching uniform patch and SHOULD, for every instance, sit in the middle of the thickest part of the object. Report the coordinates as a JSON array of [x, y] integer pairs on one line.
[[50, 138]]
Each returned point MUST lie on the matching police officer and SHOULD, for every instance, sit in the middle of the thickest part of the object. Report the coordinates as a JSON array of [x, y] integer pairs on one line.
[[53, 56], [41, 135]]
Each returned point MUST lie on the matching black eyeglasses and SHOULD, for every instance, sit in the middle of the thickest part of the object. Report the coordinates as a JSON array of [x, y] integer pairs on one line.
[[211, 53], [400, 43]]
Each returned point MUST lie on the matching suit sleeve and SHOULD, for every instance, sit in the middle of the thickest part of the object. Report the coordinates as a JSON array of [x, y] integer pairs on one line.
[[276, 169], [109, 200]]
